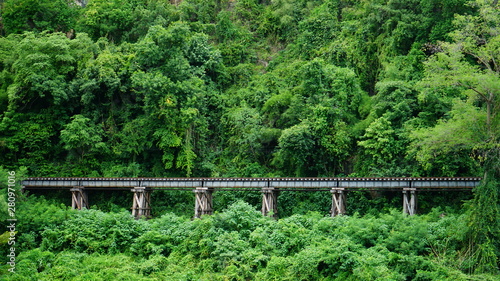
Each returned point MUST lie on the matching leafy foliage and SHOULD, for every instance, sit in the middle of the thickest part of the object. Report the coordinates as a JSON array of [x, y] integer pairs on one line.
[[247, 88], [202, 89], [240, 243], [93, 232]]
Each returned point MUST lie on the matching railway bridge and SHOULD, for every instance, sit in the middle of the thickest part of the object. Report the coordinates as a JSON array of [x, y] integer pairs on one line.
[[203, 189]]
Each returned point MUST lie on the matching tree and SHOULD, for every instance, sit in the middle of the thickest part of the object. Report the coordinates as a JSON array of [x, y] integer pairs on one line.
[[42, 68], [323, 103], [382, 150], [457, 134], [110, 19], [476, 80], [297, 146], [469, 66], [83, 137], [39, 72], [38, 15], [174, 75]]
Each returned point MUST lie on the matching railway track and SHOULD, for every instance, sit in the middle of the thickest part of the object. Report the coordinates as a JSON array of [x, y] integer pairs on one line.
[[270, 188]]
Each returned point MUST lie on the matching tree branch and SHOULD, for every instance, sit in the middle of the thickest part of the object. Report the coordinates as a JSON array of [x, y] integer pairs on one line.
[[475, 90], [483, 62]]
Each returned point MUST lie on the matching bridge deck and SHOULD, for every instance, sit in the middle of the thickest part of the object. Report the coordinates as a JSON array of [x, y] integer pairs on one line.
[[441, 183]]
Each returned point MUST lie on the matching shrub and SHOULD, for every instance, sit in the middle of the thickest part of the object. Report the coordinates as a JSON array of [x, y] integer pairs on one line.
[[94, 231], [240, 217]]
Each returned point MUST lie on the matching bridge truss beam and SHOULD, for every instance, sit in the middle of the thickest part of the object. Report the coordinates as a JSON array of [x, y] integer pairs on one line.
[[338, 201], [141, 202], [203, 204], [79, 199]]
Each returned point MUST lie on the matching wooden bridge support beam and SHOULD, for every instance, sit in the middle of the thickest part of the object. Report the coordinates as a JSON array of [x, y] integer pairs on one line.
[[338, 201], [79, 199], [410, 201], [141, 202], [203, 204], [270, 201]]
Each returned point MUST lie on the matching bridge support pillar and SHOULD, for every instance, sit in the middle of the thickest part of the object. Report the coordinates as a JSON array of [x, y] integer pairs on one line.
[[270, 201], [203, 204], [338, 201], [79, 199], [410, 201], [141, 202]]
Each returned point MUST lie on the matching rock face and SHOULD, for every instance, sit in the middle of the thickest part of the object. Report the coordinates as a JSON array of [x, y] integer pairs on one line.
[[81, 3]]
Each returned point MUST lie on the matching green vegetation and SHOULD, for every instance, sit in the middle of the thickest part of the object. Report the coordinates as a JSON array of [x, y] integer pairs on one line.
[[247, 88], [240, 244]]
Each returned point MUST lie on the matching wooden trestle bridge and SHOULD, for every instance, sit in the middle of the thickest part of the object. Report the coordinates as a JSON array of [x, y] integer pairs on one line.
[[270, 187]]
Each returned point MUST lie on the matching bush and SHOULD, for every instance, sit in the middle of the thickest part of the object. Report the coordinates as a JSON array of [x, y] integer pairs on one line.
[[240, 217], [241, 244], [93, 231]]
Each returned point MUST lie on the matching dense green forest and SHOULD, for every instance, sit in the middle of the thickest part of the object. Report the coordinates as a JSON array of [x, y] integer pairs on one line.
[[249, 88]]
